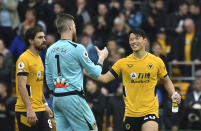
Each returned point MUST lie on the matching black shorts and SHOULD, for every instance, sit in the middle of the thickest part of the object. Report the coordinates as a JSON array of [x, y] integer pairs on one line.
[[43, 124], [135, 123]]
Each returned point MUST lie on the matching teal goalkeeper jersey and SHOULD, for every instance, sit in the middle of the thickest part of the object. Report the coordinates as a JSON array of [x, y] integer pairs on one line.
[[66, 59]]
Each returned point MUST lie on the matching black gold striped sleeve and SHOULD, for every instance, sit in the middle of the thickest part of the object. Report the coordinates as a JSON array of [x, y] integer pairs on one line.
[[114, 73]]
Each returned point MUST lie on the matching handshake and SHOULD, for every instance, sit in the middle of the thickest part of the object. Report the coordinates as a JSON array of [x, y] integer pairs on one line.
[[61, 83]]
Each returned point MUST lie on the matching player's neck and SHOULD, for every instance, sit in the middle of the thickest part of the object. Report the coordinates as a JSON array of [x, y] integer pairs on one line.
[[139, 54], [66, 36], [34, 51]]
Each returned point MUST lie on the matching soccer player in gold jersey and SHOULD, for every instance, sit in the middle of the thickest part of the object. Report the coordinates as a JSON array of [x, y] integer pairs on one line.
[[140, 72], [32, 111]]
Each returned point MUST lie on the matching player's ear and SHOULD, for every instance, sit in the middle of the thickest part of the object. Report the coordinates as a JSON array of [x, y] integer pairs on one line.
[[30, 41], [145, 40], [70, 27]]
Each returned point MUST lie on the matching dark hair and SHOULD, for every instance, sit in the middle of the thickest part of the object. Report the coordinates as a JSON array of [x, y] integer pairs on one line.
[[33, 10], [60, 4], [84, 35], [31, 33], [196, 4], [182, 3], [139, 32], [2, 40], [89, 24], [112, 38], [61, 22], [1, 54]]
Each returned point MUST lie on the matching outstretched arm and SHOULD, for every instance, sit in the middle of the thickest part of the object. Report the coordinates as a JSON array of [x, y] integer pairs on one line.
[[103, 78]]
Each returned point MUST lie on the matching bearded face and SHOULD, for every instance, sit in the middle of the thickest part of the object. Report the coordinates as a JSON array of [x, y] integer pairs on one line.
[[39, 41]]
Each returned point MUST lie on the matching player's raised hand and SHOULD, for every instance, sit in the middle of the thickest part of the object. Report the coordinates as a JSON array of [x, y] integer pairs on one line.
[[102, 53], [61, 83]]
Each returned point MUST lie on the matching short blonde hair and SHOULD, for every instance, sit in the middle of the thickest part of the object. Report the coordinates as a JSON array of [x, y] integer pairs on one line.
[[62, 21]]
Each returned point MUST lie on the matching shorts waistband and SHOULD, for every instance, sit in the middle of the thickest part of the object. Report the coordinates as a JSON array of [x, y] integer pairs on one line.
[[80, 93]]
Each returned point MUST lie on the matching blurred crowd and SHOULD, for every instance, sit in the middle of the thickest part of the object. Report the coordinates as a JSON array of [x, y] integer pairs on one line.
[[172, 26]]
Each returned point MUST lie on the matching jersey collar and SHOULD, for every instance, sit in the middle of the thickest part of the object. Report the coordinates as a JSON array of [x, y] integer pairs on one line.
[[135, 58]]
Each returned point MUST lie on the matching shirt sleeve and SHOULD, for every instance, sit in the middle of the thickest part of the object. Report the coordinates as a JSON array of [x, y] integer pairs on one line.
[[22, 66], [116, 70], [48, 73], [91, 69], [162, 72]]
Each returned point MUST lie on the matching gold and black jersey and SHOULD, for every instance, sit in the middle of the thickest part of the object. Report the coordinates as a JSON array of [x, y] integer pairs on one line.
[[31, 66], [139, 78]]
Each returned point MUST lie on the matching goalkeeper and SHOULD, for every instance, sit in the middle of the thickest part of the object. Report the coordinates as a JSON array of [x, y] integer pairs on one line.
[[65, 61]]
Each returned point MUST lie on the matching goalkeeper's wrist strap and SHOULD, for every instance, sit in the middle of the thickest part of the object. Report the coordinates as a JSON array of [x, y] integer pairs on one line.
[[100, 65]]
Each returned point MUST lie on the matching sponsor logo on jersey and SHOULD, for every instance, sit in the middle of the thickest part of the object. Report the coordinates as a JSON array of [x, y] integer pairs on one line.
[[133, 75], [140, 81], [141, 77]]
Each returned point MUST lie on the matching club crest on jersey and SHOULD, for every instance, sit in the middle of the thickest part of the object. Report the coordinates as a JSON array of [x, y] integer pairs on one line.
[[130, 65], [150, 66], [21, 65], [133, 75]]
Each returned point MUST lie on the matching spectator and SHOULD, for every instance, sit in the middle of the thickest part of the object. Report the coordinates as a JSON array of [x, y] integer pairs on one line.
[[4, 71], [171, 120], [8, 60], [82, 15], [175, 21], [24, 5], [58, 7], [158, 51], [96, 101], [18, 45], [115, 53], [31, 20], [50, 39], [187, 46], [115, 111], [192, 113], [155, 19], [87, 42], [114, 9], [9, 20], [133, 16], [7, 114], [161, 38], [103, 21], [194, 10], [120, 33], [90, 30]]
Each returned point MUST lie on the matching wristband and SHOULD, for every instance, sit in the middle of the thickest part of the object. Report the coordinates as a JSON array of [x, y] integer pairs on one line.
[[46, 104]]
